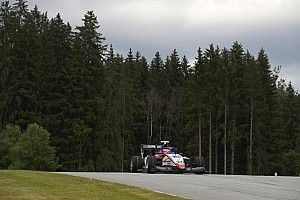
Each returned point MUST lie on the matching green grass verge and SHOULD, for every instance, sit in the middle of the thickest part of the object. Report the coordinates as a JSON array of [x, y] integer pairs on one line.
[[42, 185]]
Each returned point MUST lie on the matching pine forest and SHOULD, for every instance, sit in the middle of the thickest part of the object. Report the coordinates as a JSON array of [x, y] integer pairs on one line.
[[98, 106]]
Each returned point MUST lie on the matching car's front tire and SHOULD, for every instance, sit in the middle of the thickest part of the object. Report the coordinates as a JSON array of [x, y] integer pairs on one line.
[[199, 165], [199, 162], [151, 164]]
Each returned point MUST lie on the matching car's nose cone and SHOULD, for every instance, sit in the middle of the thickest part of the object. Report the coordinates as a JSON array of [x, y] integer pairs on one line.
[[180, 165]]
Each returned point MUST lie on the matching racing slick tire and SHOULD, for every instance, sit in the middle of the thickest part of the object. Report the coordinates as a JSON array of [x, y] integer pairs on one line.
[[151, 164], [199, 163], [136, 163]]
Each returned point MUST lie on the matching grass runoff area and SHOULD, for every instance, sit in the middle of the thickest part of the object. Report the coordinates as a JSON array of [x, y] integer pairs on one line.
[[43, 185]]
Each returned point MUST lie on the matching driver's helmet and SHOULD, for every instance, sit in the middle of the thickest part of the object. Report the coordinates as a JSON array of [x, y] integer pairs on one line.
[[165, 150]]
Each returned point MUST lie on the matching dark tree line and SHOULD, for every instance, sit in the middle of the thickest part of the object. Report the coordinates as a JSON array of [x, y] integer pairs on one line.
[[228, 106]]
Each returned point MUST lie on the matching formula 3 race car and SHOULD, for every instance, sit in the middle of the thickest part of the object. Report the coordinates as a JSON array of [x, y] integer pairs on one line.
[[164, 158]]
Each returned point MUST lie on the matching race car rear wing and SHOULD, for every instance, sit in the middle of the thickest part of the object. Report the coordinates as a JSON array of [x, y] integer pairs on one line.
[[150, 148], [154, 146]]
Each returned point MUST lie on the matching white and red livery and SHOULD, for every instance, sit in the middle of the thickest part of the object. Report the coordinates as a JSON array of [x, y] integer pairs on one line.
[[163, 158]]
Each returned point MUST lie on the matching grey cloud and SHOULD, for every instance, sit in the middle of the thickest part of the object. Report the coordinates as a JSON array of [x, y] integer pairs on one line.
[[162, 25]]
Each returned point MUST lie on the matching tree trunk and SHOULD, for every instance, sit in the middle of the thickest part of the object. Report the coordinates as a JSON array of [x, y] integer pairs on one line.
[[232, 149], [251, 138], [123, 130], [80, 155], [258, 162], [216, 152], [210, 158], [200, 129], [148, 127], [2, 118], [168, 124], [151, 124], [225, 139], [160, 130], [123, 149]]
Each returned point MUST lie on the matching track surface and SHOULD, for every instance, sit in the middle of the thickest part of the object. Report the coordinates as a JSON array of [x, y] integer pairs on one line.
[[208, 186]]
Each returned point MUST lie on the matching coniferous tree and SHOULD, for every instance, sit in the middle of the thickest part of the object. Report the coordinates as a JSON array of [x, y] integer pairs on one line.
[[6, 68], [156, 96], [237, 63], [251, 83], [109, 143], [199, 81], [268, 135], [56, 40], [225, 95], [210, 62], [291, 131], [175, 99], [24, 83], [84, 92]]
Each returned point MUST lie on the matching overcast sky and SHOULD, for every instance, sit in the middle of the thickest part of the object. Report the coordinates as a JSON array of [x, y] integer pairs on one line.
[[162, 25]]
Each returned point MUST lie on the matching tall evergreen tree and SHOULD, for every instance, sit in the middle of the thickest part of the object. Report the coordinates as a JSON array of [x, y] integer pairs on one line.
[[199, 84], [225, 95], [6, 47], [251, 84], [156, 97], [210, 62], [174, 75], [237, 63], [23, 73], [267, 124], [84, 92], [56, 53]]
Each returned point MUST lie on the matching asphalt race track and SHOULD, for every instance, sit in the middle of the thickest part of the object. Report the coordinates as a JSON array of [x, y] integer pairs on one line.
[[207, 186]]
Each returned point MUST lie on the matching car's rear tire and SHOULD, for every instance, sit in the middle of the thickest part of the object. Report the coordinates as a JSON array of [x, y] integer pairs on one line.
[[136, 163], [151, 164], [199, 162]]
